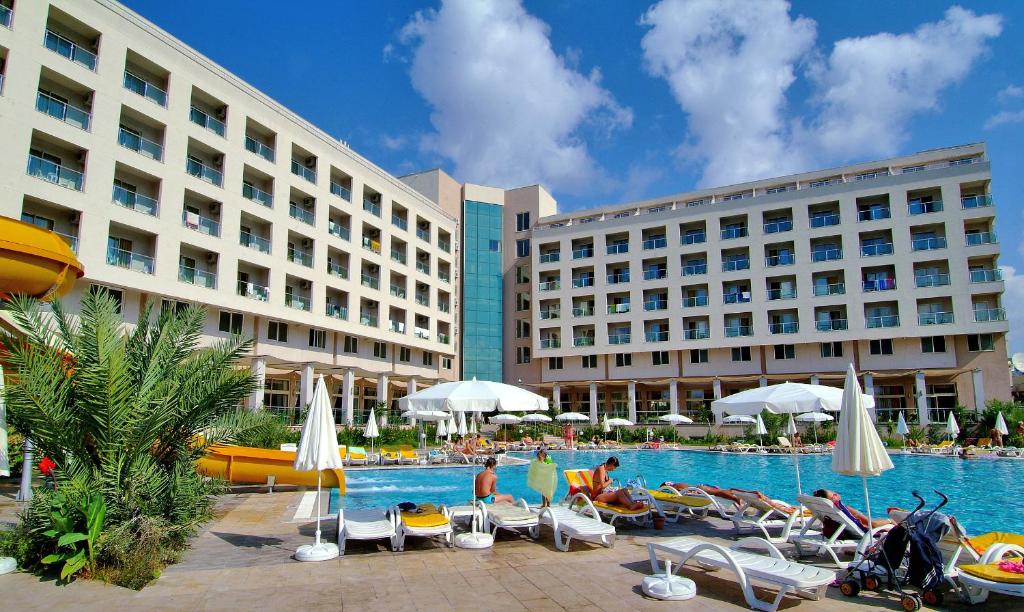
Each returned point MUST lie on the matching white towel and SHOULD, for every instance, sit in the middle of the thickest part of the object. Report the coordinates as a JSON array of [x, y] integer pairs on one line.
[[192, 219]]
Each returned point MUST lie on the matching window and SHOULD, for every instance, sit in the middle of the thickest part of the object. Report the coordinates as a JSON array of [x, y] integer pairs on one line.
[[176, 307], [351, 344], [881, 347], [522, 328], [428, 358], [43, 222], [554, 363], [741, 353], [698, 355], [522, 274], [659, 358], [317, 338], [446, 363], [933, 344], [116, 294], [980, 342], [523, 247], [230, 322], [522, 354], [380, 350], [785, 351], [589, 361], [623, 360], [831, 349], [522, 221], [278, 331], [522, 302], [495, 245], [404, 354]]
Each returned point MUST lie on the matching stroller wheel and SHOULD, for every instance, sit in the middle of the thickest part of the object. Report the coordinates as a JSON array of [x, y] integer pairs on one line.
[[932, 597], [911, 602], [872, 583], [850, 588]]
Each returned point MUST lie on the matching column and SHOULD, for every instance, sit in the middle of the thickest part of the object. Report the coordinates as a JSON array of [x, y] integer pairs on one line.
[[716, 387], [979, 390], [382, 390], [869, 389], [673, 397], [306, 385], [259, 371], [763, 381], [632, 401], [409, 391], [922, 399], [593, 403], [556, 398], [347, 400], [814, 379]]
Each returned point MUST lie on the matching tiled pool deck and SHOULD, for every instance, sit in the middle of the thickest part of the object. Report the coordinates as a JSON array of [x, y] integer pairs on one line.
[[242, 560]]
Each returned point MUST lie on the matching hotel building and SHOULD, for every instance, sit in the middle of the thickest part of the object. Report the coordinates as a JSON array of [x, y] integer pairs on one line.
[[176, 182]]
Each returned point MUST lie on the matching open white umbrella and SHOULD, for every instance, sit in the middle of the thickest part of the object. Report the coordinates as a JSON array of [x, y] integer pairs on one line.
[[425, 415], [536, 417], [1000, 421], [371, 431], [572, 416], [318, 450], [784, 398], [739, 419], [617, 423], [815, 418], [951, 427], [675, 419], [859, 450]]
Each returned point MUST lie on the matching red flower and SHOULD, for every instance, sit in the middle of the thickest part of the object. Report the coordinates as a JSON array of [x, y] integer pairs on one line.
[[46, 466]]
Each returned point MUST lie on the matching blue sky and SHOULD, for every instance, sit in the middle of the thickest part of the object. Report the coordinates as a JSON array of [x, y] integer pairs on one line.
[[611, 101]]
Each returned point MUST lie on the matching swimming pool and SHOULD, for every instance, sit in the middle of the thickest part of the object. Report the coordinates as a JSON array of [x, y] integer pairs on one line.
[[985, 494]]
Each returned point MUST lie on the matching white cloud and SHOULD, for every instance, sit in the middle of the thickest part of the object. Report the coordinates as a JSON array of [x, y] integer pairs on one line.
[[1009, 93], [1004, 118], [1012, 295], [507, 109], [393, 143]]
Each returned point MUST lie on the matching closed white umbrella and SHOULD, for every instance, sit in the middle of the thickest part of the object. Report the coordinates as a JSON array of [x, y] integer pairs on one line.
[[791, 429], [1000, 421], [760, 430], [453, 426], [371, 431], [902, 429], [572, 416], [859, 450], [463, 430], [424, 415], [605, 427], [472, 425], [442, 431], [318, 450], [951, 427]]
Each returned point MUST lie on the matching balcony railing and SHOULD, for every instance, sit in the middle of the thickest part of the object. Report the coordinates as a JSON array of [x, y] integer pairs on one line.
[[785, 327], [251, 192], [659, 304], [370, 320], [444, 245], [928, 244], [931, 280], [550, 313], [444, 276], [873, 214], [254, 146], [876, 249], [423, 334], [782, 259], [134, 201], [62, 111], [656, 336], [336, 269], [695, 301], [5, 16], [583, 253], [731, 265], [550, 343], [582, 281], [301, 214], [443, 338], [986, 276], [71, 240], [336, 311], [300, 170], [934, 318], [396, 326], [882, 321], [129, 260], [200, 278], [695, 269], [658, 242], [297, 302], [830, 289], [655, 273], [399, 222], [372, 245], [300, 257], [423, 299], [371, 207], [199, 223], [144, 88], [826, 220], [738, 331], [367, 280], [922, 208], [977, 238], [142, 146], [781, 294], [583, 341], [618, 248], [551, 285], [879, 284], [336, 229], [775, 227], [619, 338], [254, 242], [736, 297], [204, 120], [826, 255], [422, 266], [62, 46], [55, 173], [731, 233], [398, 256], [398, 291], [983, 315], [831, 325], [550, 257], [618, 277], [620, 308], [253, 291], [583, 311], [693, 238], [696, 333], [976, 201], [443, 307], [204, 172], [423, 233]]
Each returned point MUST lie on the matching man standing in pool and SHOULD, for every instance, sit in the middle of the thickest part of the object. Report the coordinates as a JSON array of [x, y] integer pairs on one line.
[[486, 489], [602, 491]]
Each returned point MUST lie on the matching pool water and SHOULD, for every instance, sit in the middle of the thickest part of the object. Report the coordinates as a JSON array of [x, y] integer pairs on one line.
[[985, 494]]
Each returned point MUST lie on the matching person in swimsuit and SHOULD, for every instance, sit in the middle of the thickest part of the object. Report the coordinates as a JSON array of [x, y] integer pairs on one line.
[[602, 492], [709, 489], [486, 489], [829, 526]]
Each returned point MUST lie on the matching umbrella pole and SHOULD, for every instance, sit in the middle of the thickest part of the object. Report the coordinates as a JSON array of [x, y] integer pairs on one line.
[[318, 508], [796, 462], [867, 501]]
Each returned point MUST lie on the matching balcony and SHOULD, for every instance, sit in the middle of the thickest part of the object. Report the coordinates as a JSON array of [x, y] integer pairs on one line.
[[396, 326], [297, 302], [738, 331], [443, 338], [421, 333], [203, 172], [423, 299], [254, 146], [549, 285], [655, 243], [253, 291], [64, 47], [650, 305], [339, 231], [732, 265], [978, 238], [5, 16], [617, 278], [618, 249], [550, 257], [336, 269], [204, 120], [372, 207], [934, 318], [986, 276], [583, 341], [582, 311], [399, 222], [71, 240], [336, 311], [582, 281], [882, 321], [199, 223], [697, 333], [200, 278], [584, 253], [830, 289], [143, 146], [550, 343], [931, 280], [620, 308], [694, 238], [695, 301], [876, 249], [831, 325], [976, 201], [254, 242], [398, 256], [398, 291], [144, 88], [301, 214], [303, 258], [826, 255], [731, 233], [656, 336], [370, 320], [736, 297], [422, 266], [55, 173], [879, 284], [444, 245], [250, 192], [923, 208], [372, 282], [134, 201], [374, 247], [655, 274], [786, 327], [443, 307], [444, 276], [128, 260], [927, 244], [826, 220], [782, 259], [550, 313], [307, 173], [781, 294], [873, 214], [695, 269], [62, 111], [776, 227], [423, 234], [984, 315], [619, 339]]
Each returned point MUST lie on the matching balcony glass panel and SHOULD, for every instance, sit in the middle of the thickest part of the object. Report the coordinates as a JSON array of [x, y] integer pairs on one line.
[[203, 172], [698, 333], [619, 338], [134, 201], [831, 325], [731, 265], [202, 119], [882, 321], [880, 284], [129, 260], [200, 278], [583, 281], [659, 242], [693, 238], [199, 223], [399, 222], [782, 294], [336, 269], [982, 315], [974, 239], [736, 297], [873, 214], [775, 227], [257, 195], [786, 327], [340, 231], [71, 240], [307, 173], [656, 304], [54, 173], [5, 16], [144, 88], [398, 256], [656, 336], [934, 318], [550, 285], [737, 331], [695, 301], [254, 242], [826, 254], [583, 253], [931, 280], [976, 201], [922, 208], [374, 246], [300, 257], [550, 313], [876, 249], [422, 299], [824, 220], [371, 281], [730, 233], [583, 311], [550, 257], [372, 207], [370, 320], [444, 245], [782, 259], [928, 244], [62, 111], [550, 343], [618, 308], [830, 289], [297, 212], [583, 341], [253, 291], [398, 291], [62, 46], [423, 233], [143, 146], [654, 273], [619, 277], [254, 146], [619, 248], [421, 333], [986, 276], [695, 269], [296, 301], [337, 311]]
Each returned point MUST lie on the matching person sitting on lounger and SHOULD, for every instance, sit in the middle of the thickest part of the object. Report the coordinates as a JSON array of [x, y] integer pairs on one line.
[[829, 526], [461, 446], [997, 437], [487, 484], [797, 442], [603, 492], [709, 489]]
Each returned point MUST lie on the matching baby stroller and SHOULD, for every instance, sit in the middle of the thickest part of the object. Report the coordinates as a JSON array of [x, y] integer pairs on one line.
[[908, 554]]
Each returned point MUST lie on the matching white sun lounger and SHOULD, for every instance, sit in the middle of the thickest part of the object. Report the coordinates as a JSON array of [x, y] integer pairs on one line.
[[693, 502], [771, 569], [757, 514], [812, 536], [369, 524], [977, 588], [405, 530], [576, 524], [511, 517]]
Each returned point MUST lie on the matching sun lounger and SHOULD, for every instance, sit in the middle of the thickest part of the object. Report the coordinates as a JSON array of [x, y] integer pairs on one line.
[[580, 481], [357, 456], [984, 577], [436, 456], [569, 523], [511, 517], [691, 501], [428, 522], [763, 515], [407, 454], [771, 570], [370, 524], [389, 456], [945, 447], [812, 536]]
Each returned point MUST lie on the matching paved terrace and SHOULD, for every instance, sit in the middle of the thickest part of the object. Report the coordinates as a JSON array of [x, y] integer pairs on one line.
[[242, 560]]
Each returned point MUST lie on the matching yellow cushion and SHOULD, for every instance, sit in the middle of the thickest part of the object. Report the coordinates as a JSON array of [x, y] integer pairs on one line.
[[981, 543], [619, 509], [692, 501], [427, 517], [991, 571]]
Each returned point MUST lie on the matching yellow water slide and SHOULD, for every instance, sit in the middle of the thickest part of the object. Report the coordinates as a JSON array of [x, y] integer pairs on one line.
[[246, 465], [35, 261]]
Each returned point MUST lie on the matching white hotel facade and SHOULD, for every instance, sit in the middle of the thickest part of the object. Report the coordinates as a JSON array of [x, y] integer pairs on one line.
[[175, 181]]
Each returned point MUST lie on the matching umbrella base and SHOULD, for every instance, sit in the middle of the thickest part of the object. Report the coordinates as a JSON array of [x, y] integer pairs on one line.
[[7, 565], [474, 540], [324, 551], [669, 588]]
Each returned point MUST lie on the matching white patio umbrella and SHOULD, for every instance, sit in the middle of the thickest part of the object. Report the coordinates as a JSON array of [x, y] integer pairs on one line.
[[760, 430], [605, 427], [675, 419], [371, 431], [739, 418], [902, 429], [791, 429], [442, 431], [1000, 421], [318, 450], [859, 450], [505, 419], [425, 415], [572, 416], [815, 418], [536, 417], [951, 427], [784, 398], [617, 423]]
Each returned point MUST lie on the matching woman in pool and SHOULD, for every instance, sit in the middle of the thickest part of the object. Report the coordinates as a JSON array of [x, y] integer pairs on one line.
[[829, 526]]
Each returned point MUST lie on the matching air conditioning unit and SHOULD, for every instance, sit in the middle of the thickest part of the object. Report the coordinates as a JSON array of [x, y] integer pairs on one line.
[[211, 258], [75, 218], [304, 285], [218, 160], [307, 242], [214, 208], [310, 162]]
